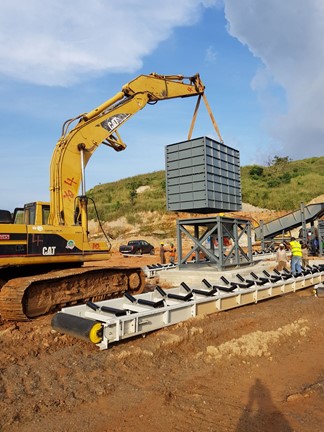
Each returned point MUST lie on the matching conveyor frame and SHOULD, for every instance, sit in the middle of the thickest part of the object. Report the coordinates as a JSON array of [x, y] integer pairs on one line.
[[154, 310]]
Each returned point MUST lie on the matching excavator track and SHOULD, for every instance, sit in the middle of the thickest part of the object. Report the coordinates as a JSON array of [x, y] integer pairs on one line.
[[29, 297]]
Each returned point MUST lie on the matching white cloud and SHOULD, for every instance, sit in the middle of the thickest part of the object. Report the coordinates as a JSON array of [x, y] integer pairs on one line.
[[288, 37], [56, 42], [211, 55]]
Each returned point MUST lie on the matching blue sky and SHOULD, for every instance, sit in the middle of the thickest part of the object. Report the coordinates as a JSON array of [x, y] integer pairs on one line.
[[261, 63]]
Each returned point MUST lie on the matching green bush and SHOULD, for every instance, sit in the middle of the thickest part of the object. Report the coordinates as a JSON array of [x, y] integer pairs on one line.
[[274, 182], [285, 177], [256, 171]]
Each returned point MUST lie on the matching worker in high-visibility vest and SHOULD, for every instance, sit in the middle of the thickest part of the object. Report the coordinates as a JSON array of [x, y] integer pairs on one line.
[[296, 256], [172, 253]]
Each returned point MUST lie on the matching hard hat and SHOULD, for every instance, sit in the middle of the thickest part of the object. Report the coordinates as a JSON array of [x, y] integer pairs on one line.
[[162, 243], [281, 244]]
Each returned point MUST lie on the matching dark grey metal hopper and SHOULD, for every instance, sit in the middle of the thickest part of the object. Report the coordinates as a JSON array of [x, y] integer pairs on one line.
[[202, 176]]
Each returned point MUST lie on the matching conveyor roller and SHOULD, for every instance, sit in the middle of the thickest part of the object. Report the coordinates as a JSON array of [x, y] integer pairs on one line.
[[81, 328]]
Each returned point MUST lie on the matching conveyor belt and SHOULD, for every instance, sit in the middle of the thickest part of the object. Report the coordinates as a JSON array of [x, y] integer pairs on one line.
[[113, 320], [289, 222]]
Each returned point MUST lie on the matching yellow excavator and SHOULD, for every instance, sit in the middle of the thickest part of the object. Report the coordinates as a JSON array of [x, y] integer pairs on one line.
[[43, 246]]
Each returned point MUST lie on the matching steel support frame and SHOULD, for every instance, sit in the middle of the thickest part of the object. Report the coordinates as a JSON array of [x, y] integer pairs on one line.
[[214, 228], [321, 237]]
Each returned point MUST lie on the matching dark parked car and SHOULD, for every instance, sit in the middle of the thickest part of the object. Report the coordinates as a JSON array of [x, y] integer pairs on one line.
[[137, 247]]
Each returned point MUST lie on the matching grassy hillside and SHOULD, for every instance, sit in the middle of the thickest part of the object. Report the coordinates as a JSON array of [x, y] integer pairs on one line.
[[282, 185], [121, 198]]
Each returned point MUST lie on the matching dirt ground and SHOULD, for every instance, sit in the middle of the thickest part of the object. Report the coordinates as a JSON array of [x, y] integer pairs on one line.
[[255, 368]]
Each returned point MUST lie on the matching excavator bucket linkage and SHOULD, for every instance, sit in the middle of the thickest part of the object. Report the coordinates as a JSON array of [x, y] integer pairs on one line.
[[113, 320]]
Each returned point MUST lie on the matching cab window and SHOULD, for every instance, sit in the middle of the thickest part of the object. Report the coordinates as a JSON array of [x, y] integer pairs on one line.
[[45, 214], [30, 215]]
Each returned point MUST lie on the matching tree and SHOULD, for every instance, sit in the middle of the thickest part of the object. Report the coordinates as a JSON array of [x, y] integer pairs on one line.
[[279, 164], [132, 196], [277, 160], [132, 186]]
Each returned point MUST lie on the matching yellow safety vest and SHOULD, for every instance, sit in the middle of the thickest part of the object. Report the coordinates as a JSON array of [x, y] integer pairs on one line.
[[296, 249]]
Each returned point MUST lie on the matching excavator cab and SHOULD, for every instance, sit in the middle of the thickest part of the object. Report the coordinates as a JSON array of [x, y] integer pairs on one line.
[[35, 213]]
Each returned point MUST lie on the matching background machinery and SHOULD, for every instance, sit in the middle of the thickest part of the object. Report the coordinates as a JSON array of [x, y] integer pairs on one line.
[[43, 246]]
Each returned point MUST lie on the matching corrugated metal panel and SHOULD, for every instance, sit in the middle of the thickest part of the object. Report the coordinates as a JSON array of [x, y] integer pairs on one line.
[[202, 176]]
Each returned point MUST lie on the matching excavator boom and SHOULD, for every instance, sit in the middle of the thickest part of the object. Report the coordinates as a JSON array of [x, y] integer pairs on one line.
[[75, 148]]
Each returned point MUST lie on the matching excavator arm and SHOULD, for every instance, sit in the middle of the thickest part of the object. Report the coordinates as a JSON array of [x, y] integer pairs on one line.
[[100, 126]]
